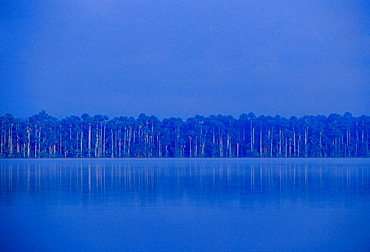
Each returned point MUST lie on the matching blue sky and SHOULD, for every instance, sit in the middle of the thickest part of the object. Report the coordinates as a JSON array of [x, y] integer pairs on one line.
[[182, 58]]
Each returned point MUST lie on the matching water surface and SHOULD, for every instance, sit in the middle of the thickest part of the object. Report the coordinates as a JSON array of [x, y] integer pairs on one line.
[[185, 205]]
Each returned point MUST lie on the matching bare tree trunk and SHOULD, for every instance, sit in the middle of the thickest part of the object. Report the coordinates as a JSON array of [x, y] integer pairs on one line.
[[190, 151], [89, 141], [270, 134], [348, 142], [320, 144], [103, 139], [39, 143], [196, 146], [261, 144], [203, 147], [286, 147], [120, 143], [305, 142], [112, 139], [159, 146], [10, 141], [251, 137], [81, 143], [294, 143], [96, 143], [77, 144], [1, 142], [357, 143], [18, 144], [229, 145], [213, 142], [221, 146], [280, 143]]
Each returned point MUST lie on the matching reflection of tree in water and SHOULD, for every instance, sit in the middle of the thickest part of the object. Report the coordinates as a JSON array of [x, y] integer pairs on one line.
[[212, 180]]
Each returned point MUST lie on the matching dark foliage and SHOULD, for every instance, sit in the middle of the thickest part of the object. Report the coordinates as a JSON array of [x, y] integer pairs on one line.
[[42, 135]]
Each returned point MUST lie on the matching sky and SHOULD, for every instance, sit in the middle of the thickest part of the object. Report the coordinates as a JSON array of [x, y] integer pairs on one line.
[[180, 58]]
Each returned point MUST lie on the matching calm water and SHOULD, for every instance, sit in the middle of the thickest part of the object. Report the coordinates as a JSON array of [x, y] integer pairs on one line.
[[185, 205]]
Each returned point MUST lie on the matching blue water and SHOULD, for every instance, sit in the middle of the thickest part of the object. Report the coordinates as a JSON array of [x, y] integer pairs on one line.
[[185, 205]]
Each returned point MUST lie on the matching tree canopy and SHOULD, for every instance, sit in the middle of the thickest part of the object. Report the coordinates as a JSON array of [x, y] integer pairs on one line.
[[43, 135]]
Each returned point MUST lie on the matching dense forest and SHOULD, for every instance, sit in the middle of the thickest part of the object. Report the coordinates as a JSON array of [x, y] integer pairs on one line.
[[43, 135]]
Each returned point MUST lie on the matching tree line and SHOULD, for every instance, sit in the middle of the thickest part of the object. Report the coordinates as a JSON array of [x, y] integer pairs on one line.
[[43, 135]]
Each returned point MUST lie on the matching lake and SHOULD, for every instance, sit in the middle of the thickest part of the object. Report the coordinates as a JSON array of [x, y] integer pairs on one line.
[[185, 204]]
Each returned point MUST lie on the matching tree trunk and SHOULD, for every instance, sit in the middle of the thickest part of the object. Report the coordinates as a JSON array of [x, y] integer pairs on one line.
[[89, 141]]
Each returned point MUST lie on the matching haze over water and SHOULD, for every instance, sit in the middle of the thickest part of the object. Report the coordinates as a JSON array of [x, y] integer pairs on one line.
[[185, 204]]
